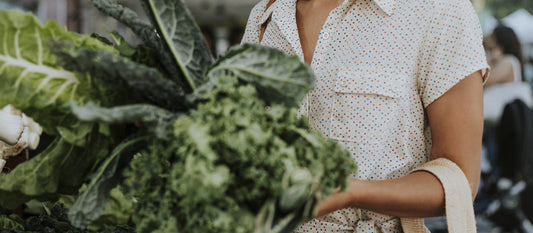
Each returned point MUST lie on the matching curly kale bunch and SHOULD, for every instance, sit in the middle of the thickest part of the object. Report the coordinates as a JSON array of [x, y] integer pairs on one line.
[[235, 165], [54, 221]]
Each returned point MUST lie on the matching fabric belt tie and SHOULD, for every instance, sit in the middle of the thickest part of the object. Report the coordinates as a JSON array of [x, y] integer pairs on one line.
[[364, 225]]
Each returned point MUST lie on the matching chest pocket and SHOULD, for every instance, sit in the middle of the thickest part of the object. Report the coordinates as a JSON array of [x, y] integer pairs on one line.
[[365, 105]]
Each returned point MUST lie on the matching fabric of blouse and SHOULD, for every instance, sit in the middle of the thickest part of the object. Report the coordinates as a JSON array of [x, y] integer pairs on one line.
[[378, 65]]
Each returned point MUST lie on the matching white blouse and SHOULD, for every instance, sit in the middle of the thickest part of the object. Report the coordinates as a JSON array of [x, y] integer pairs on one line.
[[378, 65]]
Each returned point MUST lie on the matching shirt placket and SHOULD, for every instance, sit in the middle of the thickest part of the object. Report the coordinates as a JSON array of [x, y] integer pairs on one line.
[[324, 66]]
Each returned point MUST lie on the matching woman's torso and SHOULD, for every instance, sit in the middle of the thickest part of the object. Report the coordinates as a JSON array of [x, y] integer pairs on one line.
[[371, 63]]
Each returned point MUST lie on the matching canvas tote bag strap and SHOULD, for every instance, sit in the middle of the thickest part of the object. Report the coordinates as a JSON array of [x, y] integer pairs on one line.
[[460, 216], [264, 25]]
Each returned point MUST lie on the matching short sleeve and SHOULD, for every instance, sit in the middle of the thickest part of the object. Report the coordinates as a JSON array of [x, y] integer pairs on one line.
[[452, 49]]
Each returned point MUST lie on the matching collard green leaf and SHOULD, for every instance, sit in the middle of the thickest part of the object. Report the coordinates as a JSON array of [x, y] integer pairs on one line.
[[29, 76], [91, 204], [129, 18], [277, 77], [121, 73], [183, 37], [148, 33], [154, 119]]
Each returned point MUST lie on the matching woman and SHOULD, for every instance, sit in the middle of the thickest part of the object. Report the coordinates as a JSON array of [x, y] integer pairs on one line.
[[386, 72], [505, 57]]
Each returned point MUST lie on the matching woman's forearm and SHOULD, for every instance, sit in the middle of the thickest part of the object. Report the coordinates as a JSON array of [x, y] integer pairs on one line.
[[419, 194]]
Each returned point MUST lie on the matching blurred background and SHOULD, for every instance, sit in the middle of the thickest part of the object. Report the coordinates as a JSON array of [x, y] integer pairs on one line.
[[223, 21]]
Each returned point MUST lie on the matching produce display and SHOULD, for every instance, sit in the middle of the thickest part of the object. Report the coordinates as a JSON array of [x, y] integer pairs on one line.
[[160, 137]]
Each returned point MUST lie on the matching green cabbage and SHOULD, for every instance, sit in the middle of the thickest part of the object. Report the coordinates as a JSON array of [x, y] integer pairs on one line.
[[32, 81]]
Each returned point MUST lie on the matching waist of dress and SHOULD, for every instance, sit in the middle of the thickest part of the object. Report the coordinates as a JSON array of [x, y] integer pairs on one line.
[[353, 220]]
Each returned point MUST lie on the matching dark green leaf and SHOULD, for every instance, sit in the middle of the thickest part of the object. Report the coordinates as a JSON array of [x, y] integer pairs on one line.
[[54, 222], [147, 33], [277, 77], [91, 204], [129, 18], [183, 37], [154, 119], [101, 38], [121, 73]]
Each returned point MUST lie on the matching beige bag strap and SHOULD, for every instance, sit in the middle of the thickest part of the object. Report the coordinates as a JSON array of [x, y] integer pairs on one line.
[[264, 25], [460, 216]]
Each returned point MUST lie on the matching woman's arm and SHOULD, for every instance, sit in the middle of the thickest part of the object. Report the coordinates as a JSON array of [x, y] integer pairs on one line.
[[456, 121]]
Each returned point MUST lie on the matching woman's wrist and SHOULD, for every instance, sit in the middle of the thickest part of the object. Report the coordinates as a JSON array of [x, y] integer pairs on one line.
[[338, 199], [354, 192]]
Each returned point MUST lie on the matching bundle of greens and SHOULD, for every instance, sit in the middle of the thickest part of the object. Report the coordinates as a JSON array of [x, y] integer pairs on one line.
[[220, 148], [234, 164]]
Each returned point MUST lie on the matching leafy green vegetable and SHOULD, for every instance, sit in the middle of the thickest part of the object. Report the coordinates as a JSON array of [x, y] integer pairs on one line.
[[121, 45], [53, 221], [147, 83], [227, 160], [103, 39], [279, 78], [11, 222], [183, 38], [61, 168], [33, 82], [92, 202], [156, 120], [117, 213], [148, 33], [31, 79], [217, 146], [128, 17]]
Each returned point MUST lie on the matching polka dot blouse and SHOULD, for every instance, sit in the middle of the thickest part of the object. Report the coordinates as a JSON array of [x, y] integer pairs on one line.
[[378, 65]]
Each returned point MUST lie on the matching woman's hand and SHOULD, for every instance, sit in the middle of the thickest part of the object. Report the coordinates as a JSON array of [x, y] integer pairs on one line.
[[336, 200]]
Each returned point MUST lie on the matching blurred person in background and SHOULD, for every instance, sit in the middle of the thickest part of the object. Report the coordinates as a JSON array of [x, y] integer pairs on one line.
[[505, 60], [505, 130], [505, 56], [506, 82]]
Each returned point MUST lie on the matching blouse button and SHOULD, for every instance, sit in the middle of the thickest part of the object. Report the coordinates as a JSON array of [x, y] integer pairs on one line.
[[326, 35]]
